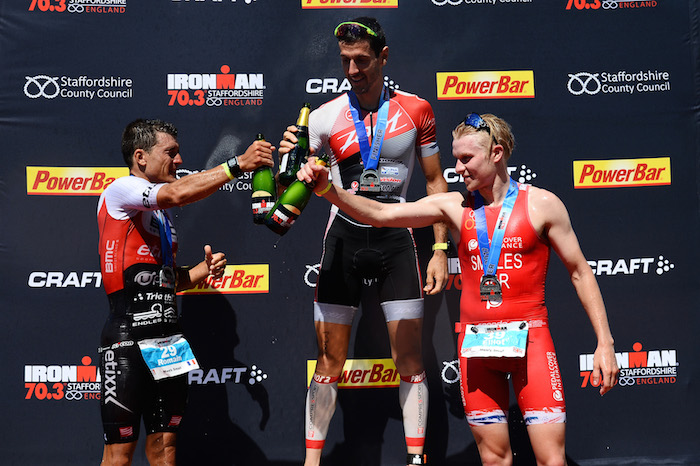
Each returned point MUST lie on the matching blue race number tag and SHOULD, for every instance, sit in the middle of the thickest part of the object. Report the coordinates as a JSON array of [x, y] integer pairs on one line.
[[168, 356], [504, 339]]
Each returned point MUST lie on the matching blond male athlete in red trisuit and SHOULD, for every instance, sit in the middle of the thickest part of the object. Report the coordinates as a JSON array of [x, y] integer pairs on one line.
[[537, 221]]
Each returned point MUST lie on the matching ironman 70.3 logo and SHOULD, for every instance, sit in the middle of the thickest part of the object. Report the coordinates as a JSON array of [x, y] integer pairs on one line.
[[215, 90], [62, 382]]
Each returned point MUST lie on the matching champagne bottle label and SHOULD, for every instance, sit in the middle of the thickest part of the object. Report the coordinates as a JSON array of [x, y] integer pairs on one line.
[[264, 191], [283, 218]]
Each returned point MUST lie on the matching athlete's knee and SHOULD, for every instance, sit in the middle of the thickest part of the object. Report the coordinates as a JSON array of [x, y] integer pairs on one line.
[[160, 448], [329, 364], [118, 454]]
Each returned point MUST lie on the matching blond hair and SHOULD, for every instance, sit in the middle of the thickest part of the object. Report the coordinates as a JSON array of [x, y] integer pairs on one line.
[[500, 131]]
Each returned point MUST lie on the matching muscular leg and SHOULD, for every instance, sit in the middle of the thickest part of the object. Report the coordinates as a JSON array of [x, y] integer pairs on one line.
[[548, 443], [405, 339], [118, 454], [333, 340], [160, 448], [493, 442]]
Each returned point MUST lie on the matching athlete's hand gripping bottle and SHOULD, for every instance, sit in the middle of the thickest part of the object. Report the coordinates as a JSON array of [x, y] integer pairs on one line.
[[264, 190], [292, 160], [291, 203]]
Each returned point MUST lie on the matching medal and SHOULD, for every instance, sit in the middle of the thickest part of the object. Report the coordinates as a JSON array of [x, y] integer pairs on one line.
[[490, 288], [167, 277], [370, 182]]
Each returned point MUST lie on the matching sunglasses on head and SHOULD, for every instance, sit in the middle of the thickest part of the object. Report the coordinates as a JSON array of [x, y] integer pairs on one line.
[[475, 121], [354, 29]]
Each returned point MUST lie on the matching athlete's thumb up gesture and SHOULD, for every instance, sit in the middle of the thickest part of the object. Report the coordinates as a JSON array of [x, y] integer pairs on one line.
[[215, 262]]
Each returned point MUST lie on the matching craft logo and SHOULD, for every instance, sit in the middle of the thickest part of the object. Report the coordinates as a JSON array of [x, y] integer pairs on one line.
[[475, 2], [362, 373], [64, 280], [79, 6], [215, 90], [638, 265], [225, 374], [622, 173], [349, 4], [336, 86], [71, 181], [607, 4], [82, 87], [485, 85], [621, 82], [62, 382], [237, 279], [637, 367], [521, 174]]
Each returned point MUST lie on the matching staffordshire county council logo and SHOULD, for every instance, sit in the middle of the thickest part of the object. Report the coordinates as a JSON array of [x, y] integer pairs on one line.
[[621, 82], [82, 87], [349, 4]]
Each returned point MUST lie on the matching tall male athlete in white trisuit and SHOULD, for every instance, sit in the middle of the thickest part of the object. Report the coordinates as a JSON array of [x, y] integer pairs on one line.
[[374, 137]]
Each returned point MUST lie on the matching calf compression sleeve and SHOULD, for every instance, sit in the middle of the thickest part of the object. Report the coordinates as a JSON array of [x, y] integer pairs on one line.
[[413, 398], [320, 406]]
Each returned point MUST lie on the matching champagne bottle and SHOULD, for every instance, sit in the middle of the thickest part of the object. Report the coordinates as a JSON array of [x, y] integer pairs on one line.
[[292, 160], [291, 203], [264, 190]]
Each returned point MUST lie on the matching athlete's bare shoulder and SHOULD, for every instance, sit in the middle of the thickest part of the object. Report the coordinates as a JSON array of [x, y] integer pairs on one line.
[[545, 209]]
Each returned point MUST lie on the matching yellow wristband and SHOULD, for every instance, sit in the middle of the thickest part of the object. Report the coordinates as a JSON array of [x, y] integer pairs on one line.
[[324, 190], [227, 170], [440, 246]]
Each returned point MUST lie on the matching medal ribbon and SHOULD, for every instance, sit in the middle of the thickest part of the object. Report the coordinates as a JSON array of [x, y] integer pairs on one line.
[[166, 238], [491, 250], [370, 155]]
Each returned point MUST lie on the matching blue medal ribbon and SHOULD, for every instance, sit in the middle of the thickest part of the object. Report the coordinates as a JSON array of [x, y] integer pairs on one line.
[[370, 155], [490, 250], [166, 238]]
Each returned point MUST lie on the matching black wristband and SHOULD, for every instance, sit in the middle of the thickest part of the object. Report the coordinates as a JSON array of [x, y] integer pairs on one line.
[[233, 167]]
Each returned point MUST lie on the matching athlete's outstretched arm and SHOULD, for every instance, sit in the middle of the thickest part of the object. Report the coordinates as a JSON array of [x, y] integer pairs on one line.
[[561, 235], [197, 186], [422, 213]]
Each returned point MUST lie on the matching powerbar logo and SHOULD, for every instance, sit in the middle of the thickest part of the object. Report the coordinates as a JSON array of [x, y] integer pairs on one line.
[[622, 173], [621, 82], [362, 373], [637, 367], [237, 279], [485, 85], [71, 181], [79, 6], [62, 382], [608, 4], [215, 90], [349, 3], [220, 376]]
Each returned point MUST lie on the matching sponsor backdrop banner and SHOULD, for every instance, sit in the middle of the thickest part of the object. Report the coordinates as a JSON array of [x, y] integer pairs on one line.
[[604, 103]]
